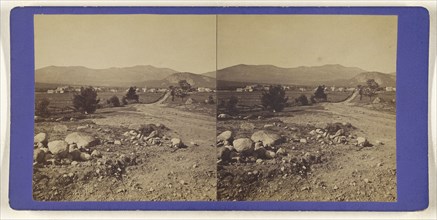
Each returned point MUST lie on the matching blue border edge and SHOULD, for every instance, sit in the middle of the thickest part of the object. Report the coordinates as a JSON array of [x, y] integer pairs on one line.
[[412, 111]]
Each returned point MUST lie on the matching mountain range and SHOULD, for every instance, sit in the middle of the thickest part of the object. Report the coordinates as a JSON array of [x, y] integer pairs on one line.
[[150, 76]]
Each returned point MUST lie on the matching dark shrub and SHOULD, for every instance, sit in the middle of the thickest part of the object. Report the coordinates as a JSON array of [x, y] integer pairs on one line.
[[274, 98], [42, 107], [86, 100], [231, 106], [302, 100], [114, 101]]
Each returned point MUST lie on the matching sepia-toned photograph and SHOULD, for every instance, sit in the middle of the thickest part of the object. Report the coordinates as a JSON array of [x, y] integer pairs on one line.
[[215, 108], [122, 110], [306, 108]]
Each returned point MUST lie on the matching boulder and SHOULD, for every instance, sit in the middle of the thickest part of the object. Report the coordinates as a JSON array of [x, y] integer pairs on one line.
[[60, 128], [58, 148], [82, 140], [39, 156], [267, 138], [40, 138], [177, 142], [362, 141], [225, 136], [243, 145], [247, 126]]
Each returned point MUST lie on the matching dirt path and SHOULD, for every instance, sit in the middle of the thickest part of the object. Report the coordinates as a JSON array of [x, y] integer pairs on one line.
[[352, 97]]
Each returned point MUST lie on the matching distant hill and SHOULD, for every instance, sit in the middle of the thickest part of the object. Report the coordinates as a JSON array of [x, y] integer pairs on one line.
[[302, 75], [383, 79], [118, 77], [210, 74], [195, 80]]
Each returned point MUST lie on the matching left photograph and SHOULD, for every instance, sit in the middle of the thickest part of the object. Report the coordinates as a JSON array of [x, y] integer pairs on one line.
[[125, 108]]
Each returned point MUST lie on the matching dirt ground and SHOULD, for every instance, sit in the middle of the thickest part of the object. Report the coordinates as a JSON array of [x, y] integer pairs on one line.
[[342, 172], [153, 173]]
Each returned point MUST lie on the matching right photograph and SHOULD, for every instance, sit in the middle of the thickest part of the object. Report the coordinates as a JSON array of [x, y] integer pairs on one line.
[[306, 108]]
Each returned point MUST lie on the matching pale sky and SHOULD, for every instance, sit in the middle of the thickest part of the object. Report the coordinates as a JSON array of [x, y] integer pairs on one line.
[[184, 43], [367, 42], [187, 43]]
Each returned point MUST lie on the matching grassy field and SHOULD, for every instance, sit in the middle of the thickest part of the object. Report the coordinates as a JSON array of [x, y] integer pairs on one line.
[[253, 99], [65, 100]]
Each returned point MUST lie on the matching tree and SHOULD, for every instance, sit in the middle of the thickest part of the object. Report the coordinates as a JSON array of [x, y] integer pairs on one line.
[[371, 88], [181, 94], [184, 85], [320, 95], [132, 94], [274, 98], [42, 107], [86, 100], [231, 106], [114, 101]]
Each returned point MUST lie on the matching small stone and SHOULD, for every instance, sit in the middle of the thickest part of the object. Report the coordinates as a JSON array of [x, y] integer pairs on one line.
[[74, 163], [182, 182], [177, 142], [303, 140], [85, 156], [367, 180], [117, 142], [70, 175], [96, 154], [335, 187], [258, 161]]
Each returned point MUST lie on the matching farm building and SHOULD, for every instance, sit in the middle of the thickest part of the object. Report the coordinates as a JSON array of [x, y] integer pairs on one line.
[[390, 89]]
